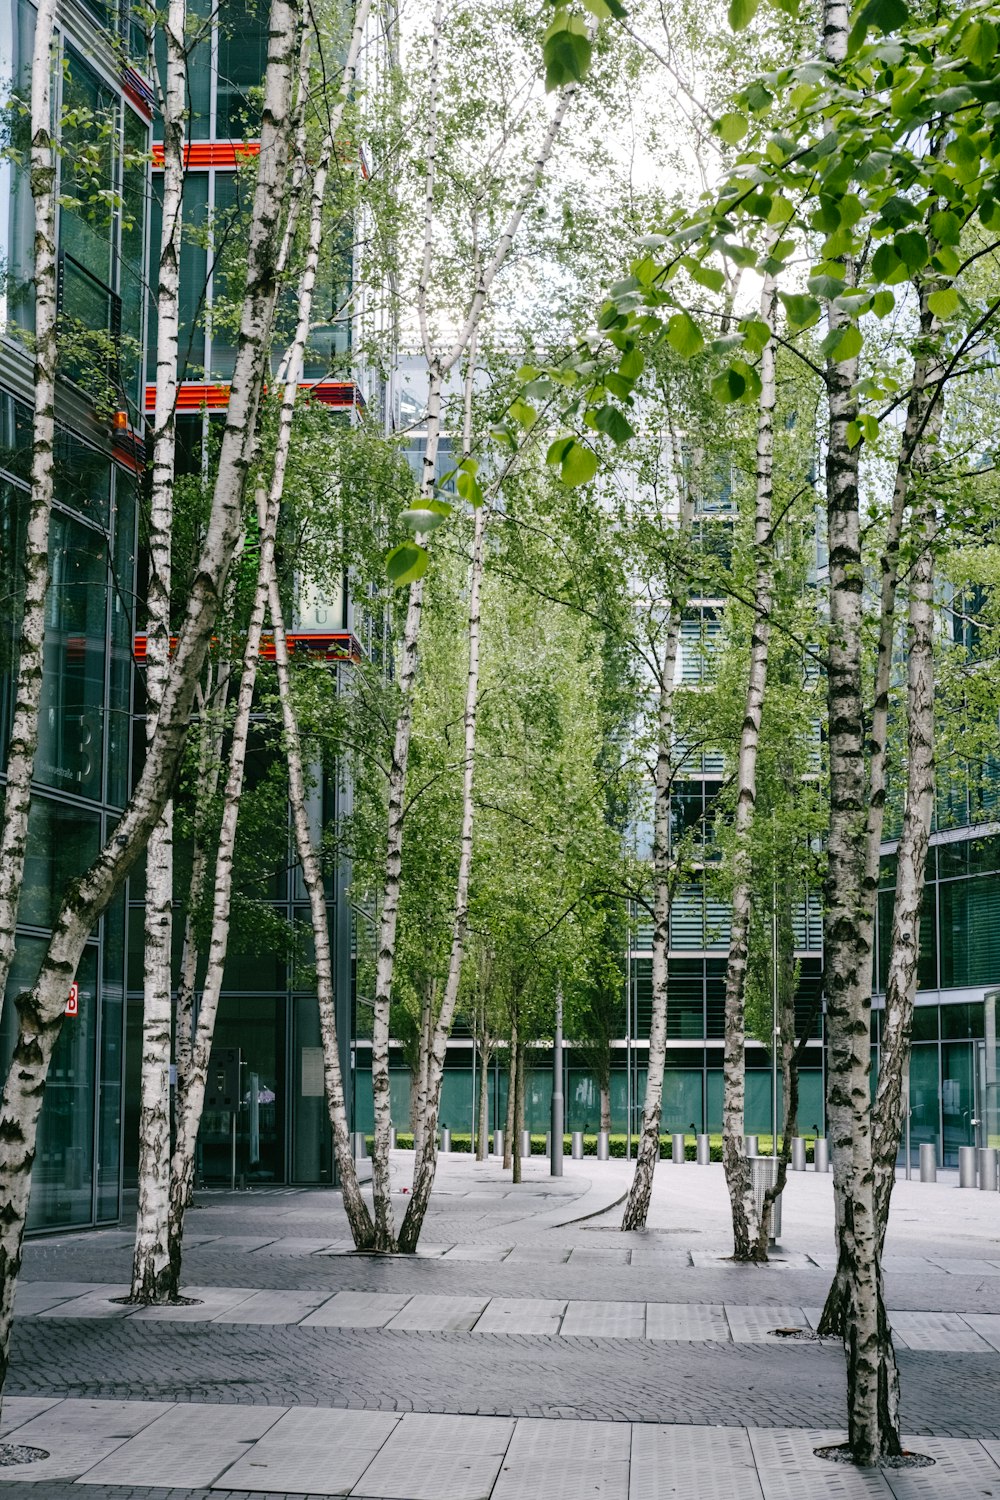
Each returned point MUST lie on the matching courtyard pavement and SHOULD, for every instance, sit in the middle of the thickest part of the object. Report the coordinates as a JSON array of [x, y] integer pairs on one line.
[[529, 1350]]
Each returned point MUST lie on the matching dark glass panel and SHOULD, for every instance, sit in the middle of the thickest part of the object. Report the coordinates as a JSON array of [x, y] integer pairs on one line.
[[685, 998], [109, 1107], [960, 1021], [17, 217], [925, 1023], [63, 841], [242, 61], [970, 931]]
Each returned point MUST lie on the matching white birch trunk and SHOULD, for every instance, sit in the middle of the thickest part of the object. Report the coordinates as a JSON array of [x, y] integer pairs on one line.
[[23, 741], [746, 1237], [482, 1138], [648, 1149], [41, 1010], [508, 1123], [438, 366]]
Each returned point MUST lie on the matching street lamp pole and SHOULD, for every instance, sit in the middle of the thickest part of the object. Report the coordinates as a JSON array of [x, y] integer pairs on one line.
[[556, 1158]]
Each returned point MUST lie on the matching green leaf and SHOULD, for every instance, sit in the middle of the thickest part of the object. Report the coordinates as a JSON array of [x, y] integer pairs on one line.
[[755, 335], [684, 336], [944, 302], [633, 362], [610, 420], [579, 464], [732, 127], [757, 98], [406, 563], [946, 261], [946, 227], [842, 344], [470, 489], [853, 434], [729, 387], [887, 15], [825, 286], [883, 304], [707, 276], [782, 210], [741, 13], [801, 311], [567, 51], [912, 249], [979, 43], [523, 414], [421, 519], [558, 450]]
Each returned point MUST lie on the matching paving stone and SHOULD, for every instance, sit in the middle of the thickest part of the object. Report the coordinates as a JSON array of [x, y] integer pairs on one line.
[[753, 1325], [436, 1432], [95, 1304], [206, 1302], [553, 1254], [908, 1265], [356, 1310], [944, 1332], [293, 1245], [520, 1315], [34, 1297], [599, 1255], [966, 1267], [79, 1434], [692, 1463], [429, 1314], [684, 1320], [438, 1458], [562, 1479], [603, 1442], [188, 1445], [20, 1409], [619, 1320], [987, 1325], [790, 1470], [963, 1470], [478, 1252], [243, 1242], [310, 1451], [272, 1307]]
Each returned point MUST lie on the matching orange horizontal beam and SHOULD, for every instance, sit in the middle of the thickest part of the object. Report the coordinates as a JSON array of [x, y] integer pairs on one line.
[[194, 396], [339, 645], [211, 153]]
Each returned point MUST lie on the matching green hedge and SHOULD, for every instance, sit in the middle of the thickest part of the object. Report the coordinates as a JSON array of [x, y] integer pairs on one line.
[[463, 1142]]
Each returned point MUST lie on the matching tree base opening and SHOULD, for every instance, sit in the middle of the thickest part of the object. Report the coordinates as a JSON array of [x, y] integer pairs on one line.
[[17, 1453], [840, 1453]]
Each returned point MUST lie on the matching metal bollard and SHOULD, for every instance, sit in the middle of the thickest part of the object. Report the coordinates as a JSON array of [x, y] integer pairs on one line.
[[525, 1144], [987, 1169], [392, 1137], [445, 1138], [548, 1143], [798, 1153], [750, 1145], [498, 1143], [967, 1173], [928, 1162], [360, 1146], [704, 1151], [603, 1145], [821, 1154], [676, 1148], [577, 1152]]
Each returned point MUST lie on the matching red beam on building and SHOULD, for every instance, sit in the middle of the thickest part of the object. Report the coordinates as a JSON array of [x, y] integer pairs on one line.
[[335, 646], [192, 395]]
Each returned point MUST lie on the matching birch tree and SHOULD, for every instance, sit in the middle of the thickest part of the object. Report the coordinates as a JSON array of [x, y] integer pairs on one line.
[[150, 1274], [41, 1009], [23, 741]]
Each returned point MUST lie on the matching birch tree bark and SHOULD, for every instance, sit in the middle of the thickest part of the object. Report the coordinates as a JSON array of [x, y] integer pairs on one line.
[[23, 742], [508, 1122], [150, 1259], [746, 1237], [518, 1110], [41, 1009], [648, 1148]]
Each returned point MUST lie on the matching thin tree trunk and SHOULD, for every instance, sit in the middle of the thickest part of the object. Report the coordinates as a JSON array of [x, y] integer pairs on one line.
[[482, 1144], [790, 1050], [426, 1028], [518, 1131], [425, 1161], [508, 1124], [648, 1149], [150, 1257], [23, 741], [41, 1009], [746, 1237], [605, 1106]]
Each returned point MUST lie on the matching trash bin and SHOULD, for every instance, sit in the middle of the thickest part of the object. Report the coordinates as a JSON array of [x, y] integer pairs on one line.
[[498, 1143], [603, 1145], [764, 1174], [704, 1151], [577, 1145], [798, 1153], [967, 1166], [677, 1149], [928, 1162], [987, 1169], [525, 1144], [821, 1154], [750, 1145], [445, 1138]]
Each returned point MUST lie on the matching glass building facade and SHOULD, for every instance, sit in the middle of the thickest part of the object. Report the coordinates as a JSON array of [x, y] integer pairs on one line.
[[84, 745]]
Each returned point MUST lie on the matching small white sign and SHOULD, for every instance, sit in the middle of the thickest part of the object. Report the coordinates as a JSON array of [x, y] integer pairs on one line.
[[73, 1000], [312, 1073]]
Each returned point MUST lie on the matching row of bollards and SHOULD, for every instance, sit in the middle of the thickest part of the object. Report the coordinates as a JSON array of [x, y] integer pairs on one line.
[[978, 1166]]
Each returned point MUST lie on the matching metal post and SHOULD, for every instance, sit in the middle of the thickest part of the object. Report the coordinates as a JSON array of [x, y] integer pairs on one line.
[[628, 1036], [232, 1175], [775, 1028], [556, 1158], [906, 1107]]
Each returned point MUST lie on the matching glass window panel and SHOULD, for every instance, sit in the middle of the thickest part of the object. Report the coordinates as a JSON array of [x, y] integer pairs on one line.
[[685, 998], [970, 931], [109, 1109], [132, 285], [82, 478], [198, 35], [70, 729], [957, 1099], [682, 1100], [13, 516], [242, 60], [87, 169], [960, 1021], [193, 277], [233, 205], [63, 841], [925, 1023], [119, 706], [924, 1095], [17, 217], [257, 1027]]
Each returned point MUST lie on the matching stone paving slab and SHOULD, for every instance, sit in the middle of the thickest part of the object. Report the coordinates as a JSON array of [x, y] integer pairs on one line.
[[754, 1325], [357, 1310], [429, 1314], [101, 1303], [692, 1463], [272, 1307], [686, 1321], [321, 1452], [79, 1434], [438, 1458], [206, 1302], [17, 1410], [789, 1469], [987, 1325], [944, 1332], [962, 1471], [604, 1319], [562, 1479], [521, 1315], [189, 1445], [33, 1297], [602, 1442]]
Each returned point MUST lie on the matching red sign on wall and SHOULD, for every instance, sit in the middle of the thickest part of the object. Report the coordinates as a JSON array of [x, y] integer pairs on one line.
[[73, 1000]]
